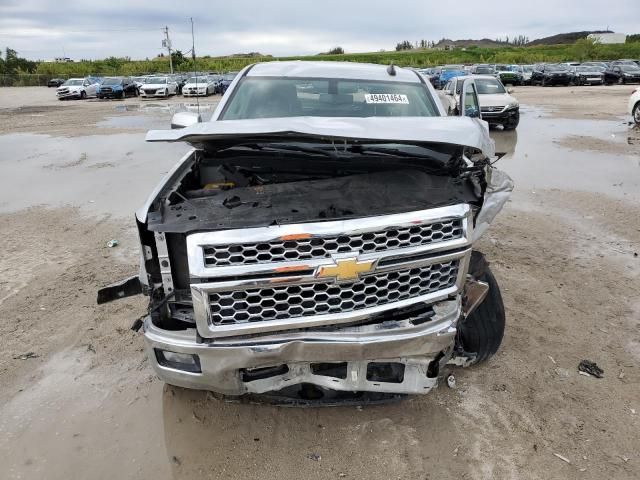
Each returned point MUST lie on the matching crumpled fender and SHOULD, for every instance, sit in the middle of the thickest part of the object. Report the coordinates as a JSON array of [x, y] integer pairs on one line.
[[498, 191]]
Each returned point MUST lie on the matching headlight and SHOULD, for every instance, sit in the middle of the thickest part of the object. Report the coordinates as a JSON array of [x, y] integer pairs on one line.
[[513, 105]]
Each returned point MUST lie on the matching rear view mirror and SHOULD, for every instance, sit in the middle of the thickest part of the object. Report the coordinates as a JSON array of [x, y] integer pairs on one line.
[[185, 119]]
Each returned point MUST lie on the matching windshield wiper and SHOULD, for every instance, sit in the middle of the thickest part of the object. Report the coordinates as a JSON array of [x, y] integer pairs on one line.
[[278, 147], [396, 152]]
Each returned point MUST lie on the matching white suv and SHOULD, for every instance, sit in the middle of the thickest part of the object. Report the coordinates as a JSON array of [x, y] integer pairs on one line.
[[498, 107]]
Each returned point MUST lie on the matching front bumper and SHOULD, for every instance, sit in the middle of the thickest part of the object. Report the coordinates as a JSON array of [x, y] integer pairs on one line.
[[500, 117], [157, 93], [71, 94], [193, 93], [422, 349]]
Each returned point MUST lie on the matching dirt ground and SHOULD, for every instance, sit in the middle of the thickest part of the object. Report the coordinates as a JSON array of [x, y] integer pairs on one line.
[[79, 400]]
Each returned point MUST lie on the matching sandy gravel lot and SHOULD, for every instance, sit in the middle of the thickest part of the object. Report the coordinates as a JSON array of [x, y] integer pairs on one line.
[[79, 400]]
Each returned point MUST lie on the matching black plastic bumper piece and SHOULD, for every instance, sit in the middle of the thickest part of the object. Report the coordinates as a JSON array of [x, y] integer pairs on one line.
[[125, 288]]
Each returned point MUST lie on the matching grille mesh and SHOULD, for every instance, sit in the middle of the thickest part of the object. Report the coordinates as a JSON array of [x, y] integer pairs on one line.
[[287, 301], [315, 248]]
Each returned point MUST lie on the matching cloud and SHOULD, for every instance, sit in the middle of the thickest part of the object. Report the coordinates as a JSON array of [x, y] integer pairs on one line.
[[46, 29]]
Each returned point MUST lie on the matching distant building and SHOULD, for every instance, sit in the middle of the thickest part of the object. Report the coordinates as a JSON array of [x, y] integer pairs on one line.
[[608, 38], [63, 60]]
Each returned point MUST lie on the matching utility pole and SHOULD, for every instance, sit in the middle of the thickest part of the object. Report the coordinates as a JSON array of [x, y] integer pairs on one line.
[[166, 43]]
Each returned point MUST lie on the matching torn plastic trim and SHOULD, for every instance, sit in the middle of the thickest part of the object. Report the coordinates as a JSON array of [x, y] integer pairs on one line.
[[125, 288]]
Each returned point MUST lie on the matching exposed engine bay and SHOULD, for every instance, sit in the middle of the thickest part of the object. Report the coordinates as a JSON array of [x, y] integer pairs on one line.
[[237, 188]]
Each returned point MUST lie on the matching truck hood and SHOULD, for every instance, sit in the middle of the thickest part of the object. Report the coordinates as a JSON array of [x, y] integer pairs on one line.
[[462, 131]]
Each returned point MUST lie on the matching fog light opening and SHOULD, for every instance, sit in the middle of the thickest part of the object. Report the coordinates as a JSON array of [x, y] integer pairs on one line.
[[178, 361]]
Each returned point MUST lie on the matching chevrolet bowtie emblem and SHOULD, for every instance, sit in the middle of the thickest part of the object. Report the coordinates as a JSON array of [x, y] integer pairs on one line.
[[345, 269]]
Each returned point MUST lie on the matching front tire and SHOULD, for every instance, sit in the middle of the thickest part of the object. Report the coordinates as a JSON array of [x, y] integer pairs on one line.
[[481, 332], [83, 95], [621, 81], [636, 114]]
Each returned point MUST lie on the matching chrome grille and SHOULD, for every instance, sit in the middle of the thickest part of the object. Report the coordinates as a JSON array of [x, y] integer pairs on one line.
[[492, 109], [323, 247], [303, 300]]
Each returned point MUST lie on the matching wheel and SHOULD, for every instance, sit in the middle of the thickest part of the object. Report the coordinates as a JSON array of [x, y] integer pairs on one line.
[[83, 95], [636, 114], [543, 82], [513, 122], [621, 81], [481, 332]]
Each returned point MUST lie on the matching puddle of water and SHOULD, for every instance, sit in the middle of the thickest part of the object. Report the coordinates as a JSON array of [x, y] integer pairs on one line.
[[535, 161], [101, 173], [154, 115]]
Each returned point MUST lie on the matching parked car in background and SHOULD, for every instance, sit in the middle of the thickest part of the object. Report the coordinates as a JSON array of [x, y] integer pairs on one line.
[[139, 81], [433, 75], [550, 74], [601, 65], [509, 75], [158, 86], [225, 81], [79, 88], [180, 80], [483, 69], [450, 71], [527, 72], [634, 106], [117, 87], [55, 82], [587, 75], [321, 273], [624, 61], [622, 73], [497, 105], [199, 86]]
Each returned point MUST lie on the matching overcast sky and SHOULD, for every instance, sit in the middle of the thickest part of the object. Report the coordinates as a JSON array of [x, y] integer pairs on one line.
[[41, 29]]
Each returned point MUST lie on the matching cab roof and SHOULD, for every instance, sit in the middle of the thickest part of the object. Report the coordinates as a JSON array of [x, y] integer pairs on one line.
[[346, 70]]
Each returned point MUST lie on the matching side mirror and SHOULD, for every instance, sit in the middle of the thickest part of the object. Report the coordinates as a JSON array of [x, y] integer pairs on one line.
[[185, 119], [509, 91]]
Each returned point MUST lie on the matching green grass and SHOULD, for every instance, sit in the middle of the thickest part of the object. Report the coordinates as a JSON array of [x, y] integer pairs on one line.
[[416, 58]]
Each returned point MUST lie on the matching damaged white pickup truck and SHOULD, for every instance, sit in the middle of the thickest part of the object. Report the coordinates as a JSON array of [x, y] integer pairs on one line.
[[316, 243]]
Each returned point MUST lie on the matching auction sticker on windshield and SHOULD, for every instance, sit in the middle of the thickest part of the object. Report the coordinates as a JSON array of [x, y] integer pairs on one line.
[[386, 98]]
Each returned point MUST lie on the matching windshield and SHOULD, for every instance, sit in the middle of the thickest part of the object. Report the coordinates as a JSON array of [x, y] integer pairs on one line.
[[274, 97], [556, 68], [484, 70], [629, 68], [527, 68], [156, 80], [229, 76], [197, 80], [74, 82], [111, 81], [488, 86]]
